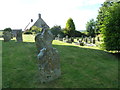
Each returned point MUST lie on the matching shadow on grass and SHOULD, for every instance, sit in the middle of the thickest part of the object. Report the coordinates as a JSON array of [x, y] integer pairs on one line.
[[73, 48], [81, 67], [117, 55]]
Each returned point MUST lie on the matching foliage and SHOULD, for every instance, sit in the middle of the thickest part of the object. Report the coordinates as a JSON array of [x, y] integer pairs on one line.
[[70, 28], [101, 15], [77, 34], [8, 29], [111, 28], [57, 30], [90, 27], [35, 29]]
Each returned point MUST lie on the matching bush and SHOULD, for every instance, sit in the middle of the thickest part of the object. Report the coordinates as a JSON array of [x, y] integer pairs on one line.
[[111, 28], [8, 29], [77, 34]]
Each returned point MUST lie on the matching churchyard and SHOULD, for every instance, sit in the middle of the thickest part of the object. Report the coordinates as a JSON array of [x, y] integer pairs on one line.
[[81, 66], [44, 57]]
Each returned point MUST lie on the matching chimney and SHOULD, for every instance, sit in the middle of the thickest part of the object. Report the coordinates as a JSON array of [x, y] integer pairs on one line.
[[39, 16]]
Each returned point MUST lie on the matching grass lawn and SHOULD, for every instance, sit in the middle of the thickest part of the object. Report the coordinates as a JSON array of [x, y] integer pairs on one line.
[[81, 67]]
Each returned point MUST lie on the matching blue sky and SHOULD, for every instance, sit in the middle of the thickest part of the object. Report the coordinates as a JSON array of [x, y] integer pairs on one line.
[[17, 13]]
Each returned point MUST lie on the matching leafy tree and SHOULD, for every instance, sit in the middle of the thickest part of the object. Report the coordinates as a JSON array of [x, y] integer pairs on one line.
[[8, 29], [70, 27], [90, 27], [56, 30], [102, 15], [111, 28]]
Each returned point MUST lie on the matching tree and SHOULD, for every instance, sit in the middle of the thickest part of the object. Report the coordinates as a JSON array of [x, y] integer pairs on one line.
[[35, 29], [56, 30], [8, 29], [102, 15], [110, 28], [90, 27], [70, 27]]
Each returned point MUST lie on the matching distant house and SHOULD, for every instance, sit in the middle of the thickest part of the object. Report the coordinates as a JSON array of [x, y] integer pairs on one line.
[[39, 23]]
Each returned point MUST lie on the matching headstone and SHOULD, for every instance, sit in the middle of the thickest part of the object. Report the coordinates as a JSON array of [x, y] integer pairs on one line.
[[82, 38], [94, 40], [48, 58], [72, 39], [90, 38], [7, 36], [19, 36], [77, 39], [69, 40], [81, 43], [86, 40], [64, 40], [98, 38], [58, 36], [66, 37]]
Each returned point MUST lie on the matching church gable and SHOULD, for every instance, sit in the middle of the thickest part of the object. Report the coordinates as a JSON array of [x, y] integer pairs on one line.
[[40, 23]]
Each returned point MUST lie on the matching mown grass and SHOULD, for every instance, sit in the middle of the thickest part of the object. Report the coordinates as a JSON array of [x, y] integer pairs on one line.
[[81, 67], [0, 64]]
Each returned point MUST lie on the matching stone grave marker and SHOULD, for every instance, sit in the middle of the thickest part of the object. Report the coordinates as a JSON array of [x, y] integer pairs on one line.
[[7, 36], [58, 36], [48, 57], [19, 36], [93, 40]]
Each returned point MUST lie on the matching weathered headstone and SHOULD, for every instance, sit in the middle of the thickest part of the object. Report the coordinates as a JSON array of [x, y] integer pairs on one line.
[[7, 36], [93, 40], [19, 36], [64, 40], [58, 36], [82, 38], [98, 38], [48, 58], [81, 43], [66, 37], [86, 40], [90, 38]]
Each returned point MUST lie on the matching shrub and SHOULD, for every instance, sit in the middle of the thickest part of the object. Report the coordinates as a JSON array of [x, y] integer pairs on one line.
[[8, 29], [111, 28]]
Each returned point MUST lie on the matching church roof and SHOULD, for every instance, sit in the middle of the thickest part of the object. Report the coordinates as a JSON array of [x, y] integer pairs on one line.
[[39, 23]]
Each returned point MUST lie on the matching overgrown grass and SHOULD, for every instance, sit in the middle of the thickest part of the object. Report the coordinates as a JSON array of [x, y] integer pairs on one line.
[[81, 67]]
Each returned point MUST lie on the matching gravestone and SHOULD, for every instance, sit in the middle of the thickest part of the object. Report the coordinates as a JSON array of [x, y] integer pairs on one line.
[[19, 36], [98, 38], [86, 40], [90, 39], [48, 58], [58, 36], [93, 40], [66, 38], [7, 36]]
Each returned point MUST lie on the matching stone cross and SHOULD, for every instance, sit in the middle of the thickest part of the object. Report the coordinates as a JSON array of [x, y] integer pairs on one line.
[[48, 58]]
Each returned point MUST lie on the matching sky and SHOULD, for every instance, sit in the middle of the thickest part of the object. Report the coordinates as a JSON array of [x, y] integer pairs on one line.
[[16, 14]]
